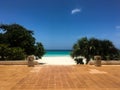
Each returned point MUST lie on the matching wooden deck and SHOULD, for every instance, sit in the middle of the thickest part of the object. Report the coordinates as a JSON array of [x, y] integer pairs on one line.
[[79, 77]]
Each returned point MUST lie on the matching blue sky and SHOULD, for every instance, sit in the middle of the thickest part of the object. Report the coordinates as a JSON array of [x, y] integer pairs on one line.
[[58, 24]]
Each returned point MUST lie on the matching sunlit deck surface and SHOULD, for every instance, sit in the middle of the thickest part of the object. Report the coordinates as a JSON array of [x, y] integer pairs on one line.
[[43, 77]]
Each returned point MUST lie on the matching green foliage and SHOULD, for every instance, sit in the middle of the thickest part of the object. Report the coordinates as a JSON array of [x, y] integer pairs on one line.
[[79, 61], [7, 53], [3, 51], [39, 50], [16, 41], [18, 36], [15, 53], [91, 47]]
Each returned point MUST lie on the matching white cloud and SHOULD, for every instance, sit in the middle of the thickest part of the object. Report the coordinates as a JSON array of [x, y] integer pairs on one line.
[[117, 27], [77, 10]]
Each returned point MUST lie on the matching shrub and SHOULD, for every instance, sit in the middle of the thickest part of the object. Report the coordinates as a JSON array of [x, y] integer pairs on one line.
[[15, 53], [39, 50], [91, 47], [3, 51], [79, 60]]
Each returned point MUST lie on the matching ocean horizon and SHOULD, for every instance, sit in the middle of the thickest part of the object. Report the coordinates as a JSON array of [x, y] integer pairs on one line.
[[50, 53]]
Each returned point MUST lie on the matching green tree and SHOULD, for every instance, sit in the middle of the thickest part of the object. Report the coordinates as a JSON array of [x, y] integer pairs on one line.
[[39, 51], [18, 36], [83, 44], [110, 51], [3, 51], [91, 47], [16, 42], [76, 51], [15, 53], [95, 47], [81, 48], [3, 39]]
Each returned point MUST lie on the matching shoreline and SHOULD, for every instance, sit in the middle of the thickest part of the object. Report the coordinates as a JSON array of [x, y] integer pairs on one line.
[[57, 56], [57, 60]]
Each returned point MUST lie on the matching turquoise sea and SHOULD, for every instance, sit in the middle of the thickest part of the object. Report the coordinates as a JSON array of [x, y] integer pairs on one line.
[[57, 53]]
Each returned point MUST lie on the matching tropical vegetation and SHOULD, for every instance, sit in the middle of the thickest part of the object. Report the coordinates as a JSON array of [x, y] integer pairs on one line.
[[91, 47], [17, 42]]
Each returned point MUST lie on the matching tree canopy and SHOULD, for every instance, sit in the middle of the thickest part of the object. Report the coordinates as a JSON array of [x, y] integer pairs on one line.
[[15, 35], [39, 50], [91, 47]]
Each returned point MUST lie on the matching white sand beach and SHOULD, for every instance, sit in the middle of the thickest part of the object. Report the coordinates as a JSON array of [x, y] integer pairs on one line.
[[57, 60]]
